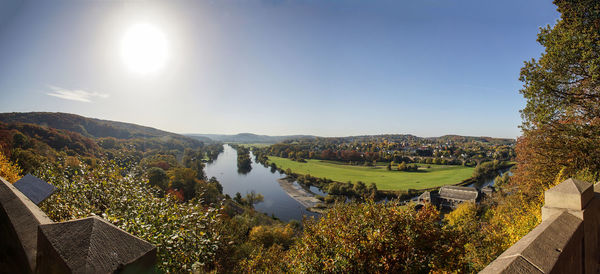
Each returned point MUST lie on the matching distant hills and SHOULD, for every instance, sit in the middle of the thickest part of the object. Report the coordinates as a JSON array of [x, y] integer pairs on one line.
[[250, 138], [96, 128]]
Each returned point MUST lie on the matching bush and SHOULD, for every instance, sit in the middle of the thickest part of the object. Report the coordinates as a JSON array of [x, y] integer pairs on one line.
[[371, 237], [184, 233]]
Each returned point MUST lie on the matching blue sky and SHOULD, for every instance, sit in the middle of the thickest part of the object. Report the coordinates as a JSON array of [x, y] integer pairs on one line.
[[329, 68]]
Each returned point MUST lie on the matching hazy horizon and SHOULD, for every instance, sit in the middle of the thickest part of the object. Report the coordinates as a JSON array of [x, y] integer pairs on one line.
[[331, 69]]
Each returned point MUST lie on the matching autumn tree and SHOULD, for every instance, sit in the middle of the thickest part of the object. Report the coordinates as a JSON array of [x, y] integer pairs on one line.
[[8, 170], [184, 179], [378, 238], [561, 121]]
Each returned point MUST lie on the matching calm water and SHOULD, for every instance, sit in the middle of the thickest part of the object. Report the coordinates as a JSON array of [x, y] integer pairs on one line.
[[490, 181], [260, 179]]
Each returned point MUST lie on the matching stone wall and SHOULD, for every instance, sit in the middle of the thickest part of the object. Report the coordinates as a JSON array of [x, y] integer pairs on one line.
[[567, 240], [30, 242]]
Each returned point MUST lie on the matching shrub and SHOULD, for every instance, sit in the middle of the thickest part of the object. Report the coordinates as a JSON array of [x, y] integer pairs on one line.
[[371, 237]]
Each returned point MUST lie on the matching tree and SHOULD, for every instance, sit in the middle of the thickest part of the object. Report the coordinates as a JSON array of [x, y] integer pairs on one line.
[[28, 160], [253, 198], [184, 179], [158, 177], [266, 236], [20, 140], [561, 121], [8, 170], [483, 241], [209, 192], [372, 237]]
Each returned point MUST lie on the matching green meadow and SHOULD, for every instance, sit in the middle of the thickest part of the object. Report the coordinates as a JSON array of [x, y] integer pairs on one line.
[[436, 175]]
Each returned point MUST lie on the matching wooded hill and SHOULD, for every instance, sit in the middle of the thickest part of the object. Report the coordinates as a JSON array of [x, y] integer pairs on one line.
[[96, 128], [250, 138]]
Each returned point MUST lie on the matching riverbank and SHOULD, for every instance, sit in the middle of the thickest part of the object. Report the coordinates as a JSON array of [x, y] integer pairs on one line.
[[311, 167], [299, 194]]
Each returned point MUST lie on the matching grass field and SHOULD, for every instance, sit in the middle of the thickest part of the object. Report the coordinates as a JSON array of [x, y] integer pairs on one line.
[[437, 175]]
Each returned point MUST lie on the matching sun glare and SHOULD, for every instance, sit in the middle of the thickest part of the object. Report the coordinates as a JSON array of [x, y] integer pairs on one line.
[[144, 48]]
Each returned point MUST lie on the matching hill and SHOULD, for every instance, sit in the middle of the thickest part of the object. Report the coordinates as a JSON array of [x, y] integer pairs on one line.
[[249, 138], [97, 128]]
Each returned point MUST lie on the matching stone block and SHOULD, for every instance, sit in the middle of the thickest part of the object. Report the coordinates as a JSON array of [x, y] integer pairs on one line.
[[570, 194]]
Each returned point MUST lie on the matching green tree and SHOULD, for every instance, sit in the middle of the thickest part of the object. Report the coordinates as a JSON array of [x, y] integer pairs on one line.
[[158, 177], [253, 198], [184, 179], [20, 140]]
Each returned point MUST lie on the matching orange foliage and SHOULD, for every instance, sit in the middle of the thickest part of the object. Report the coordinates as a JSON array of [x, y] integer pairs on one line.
[[178, 194]]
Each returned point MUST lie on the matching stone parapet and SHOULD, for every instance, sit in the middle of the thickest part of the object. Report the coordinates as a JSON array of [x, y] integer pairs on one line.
[[567, 240], [19, 221], [30, 242]]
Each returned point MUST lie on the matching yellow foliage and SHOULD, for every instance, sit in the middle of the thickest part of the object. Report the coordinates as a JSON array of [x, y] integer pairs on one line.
[[265, 260], [72, 161], [515, 217], [464, 216], [518, 214], [8, 170], [269, 235]]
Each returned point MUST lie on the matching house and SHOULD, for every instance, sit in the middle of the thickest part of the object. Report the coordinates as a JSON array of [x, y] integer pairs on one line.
[[450, 196]]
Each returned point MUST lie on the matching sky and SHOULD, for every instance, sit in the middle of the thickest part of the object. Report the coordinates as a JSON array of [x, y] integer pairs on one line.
[[275, 67]]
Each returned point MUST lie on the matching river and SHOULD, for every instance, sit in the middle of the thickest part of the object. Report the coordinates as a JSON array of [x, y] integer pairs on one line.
[[260, 179], [490, 181]]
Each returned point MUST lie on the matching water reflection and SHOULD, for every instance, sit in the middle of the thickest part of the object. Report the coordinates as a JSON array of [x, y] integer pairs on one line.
[[490, 181], [260, 179]]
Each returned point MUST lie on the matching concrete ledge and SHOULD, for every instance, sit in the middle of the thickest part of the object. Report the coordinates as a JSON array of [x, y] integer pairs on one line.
[[556, 245], [19, 219]]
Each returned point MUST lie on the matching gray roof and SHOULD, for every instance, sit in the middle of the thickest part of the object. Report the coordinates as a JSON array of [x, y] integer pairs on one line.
[[425, 196], [34, 188], [459, 193]]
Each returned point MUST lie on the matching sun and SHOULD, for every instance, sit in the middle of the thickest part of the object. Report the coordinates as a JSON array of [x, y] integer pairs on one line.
[[144, 48]]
